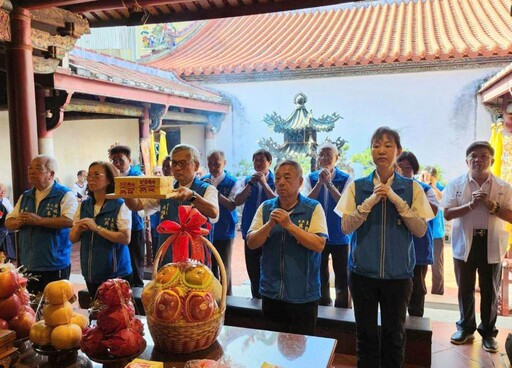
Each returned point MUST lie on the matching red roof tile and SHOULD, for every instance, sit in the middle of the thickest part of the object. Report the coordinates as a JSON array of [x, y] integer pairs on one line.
[[413, 31]]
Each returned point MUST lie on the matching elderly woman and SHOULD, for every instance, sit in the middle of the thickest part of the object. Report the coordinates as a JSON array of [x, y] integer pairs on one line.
[[104, 227], [6, 236]]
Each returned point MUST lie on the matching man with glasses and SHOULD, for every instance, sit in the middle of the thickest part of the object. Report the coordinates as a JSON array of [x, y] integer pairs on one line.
[[480, 204], [189, 190], [120, 156], [326, 186], [44, 215]]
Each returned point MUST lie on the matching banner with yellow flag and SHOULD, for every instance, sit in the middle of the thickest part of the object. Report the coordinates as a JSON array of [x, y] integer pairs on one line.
[[152, 152], [163, 148]]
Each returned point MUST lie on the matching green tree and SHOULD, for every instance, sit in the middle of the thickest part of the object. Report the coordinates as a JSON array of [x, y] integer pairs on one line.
[[365, 160]]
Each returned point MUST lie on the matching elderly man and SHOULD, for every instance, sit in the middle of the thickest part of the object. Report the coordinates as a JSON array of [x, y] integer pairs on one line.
[[480, 204], [6, 237], [251, 192], [326, 186], [43, 215], [291, 230], [121, 158], [224, 231], [189, 190]]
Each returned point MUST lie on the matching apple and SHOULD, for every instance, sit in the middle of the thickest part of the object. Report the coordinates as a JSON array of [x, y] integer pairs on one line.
[[197, 276], [4, 325], [167, 306], [10, 307], [9, 281], [199, 306], [21, 324]]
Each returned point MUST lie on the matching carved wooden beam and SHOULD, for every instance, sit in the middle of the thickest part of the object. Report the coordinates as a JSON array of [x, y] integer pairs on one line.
[[156, 113], [105, 108], [5, 26], [61, 19], [187, 117], [55, 106]]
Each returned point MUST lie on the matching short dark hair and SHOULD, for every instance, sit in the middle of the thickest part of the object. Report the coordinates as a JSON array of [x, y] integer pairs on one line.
[[478, 144], [293, 163], [431, 170], [391, 133], [110, 171], [264, 152], [124, 150], [80, 172], [409, 156]]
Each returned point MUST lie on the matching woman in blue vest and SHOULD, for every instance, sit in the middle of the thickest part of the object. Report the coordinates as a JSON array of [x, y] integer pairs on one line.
[[408, 166], [104, 228], [383, 210]]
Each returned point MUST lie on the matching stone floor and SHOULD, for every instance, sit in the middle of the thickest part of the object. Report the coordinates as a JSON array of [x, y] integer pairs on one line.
[[442, 310]]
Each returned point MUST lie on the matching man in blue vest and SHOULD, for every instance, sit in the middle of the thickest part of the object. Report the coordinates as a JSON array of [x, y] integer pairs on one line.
[[121, 158], [189, 190], [44, 215], [251, 192], [326, 186], [224, 230], [429, 176], [291, 231]]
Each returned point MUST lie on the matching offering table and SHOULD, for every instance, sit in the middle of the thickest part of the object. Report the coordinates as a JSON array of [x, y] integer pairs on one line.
[[244, 347]]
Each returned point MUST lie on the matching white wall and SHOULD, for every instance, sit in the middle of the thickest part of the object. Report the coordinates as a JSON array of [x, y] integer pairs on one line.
[[436, 112]]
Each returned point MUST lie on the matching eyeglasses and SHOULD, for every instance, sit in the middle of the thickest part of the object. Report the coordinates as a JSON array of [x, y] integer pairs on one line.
[[95, 175], [483, 157], [182, 164]]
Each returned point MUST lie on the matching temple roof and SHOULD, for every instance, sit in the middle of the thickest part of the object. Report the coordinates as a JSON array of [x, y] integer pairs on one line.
[[361, 34], [93, 65]]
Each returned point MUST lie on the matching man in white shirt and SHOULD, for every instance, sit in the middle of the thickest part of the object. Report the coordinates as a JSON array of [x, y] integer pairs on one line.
[[80, 185], [480, 204], [44, 215], [189, 190]]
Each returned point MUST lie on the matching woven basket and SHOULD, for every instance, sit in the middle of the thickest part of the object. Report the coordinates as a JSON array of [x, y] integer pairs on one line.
[[187, 337]]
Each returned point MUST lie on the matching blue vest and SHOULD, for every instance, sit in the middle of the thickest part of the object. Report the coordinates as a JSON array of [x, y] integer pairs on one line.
[[382, 246], [289, 271], [439, 219], [252, 203], [102, 259], [43, 248], [137, 221], [336, 236], [424, 246], [226, 225], [169, 211]]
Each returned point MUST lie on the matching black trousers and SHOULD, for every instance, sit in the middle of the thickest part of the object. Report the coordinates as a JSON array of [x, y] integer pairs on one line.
[[45, 277], [489, 276], [137, 248], [253, 263], [225, 249], [438, 267], [289, 317], [393, 298], [419, 290], [339, 255]]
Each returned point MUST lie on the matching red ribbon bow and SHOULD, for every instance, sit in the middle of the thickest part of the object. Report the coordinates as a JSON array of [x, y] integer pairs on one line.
[[188, 230]]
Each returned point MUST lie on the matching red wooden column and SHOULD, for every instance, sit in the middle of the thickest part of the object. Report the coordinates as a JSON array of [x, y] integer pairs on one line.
[[21, 100], [144, 139]]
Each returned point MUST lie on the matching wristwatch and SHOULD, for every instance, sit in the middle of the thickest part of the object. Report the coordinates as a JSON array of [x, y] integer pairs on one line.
[[98, 227], [193, 197]]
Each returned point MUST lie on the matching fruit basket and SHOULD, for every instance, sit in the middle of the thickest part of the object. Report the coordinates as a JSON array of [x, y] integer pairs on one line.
[[195, 315]]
